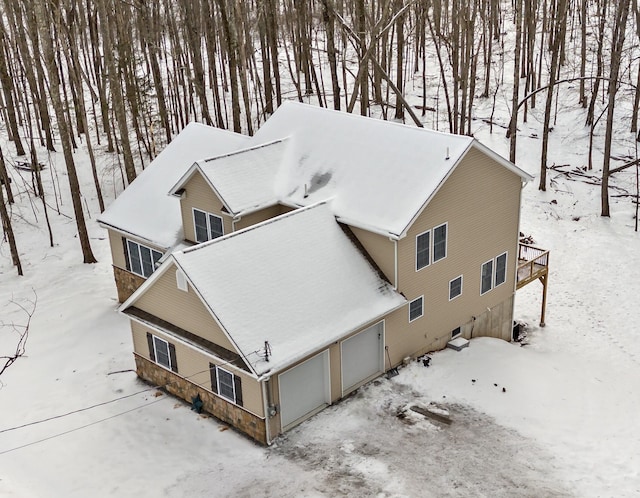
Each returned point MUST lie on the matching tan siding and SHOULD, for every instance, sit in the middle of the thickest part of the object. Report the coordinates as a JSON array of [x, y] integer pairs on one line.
[[194, 366], [199, 195], [117, 249], [480, 227], [335, 372], [381, 250], [183, 309], [258, 216]]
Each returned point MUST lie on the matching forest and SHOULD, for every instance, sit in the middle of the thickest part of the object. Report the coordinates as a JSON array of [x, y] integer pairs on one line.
[[120, 78]]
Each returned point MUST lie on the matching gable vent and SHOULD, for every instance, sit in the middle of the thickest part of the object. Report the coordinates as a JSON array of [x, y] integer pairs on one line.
[[181, 281]]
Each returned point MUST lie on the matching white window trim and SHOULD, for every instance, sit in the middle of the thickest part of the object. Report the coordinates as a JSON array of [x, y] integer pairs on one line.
[[130, 258], [416, 251], [446, 242], [495, 269], [155, 352], [233, 384], [421, 308], [492, 261], [461, 287], [459, 329], [207, 215]]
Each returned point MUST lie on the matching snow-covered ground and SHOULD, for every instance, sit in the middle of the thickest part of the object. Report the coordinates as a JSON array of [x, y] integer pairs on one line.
[[564, 425]]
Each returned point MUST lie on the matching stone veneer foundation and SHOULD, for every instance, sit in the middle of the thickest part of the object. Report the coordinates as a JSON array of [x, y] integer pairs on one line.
[[229, 413], [126, 283]]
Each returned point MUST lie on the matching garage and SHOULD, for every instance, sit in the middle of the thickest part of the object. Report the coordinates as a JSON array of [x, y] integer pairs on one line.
[[304, 389], [362, 357]]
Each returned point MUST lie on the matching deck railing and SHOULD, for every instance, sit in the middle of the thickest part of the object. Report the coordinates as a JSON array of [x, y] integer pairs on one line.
[[532, 263]]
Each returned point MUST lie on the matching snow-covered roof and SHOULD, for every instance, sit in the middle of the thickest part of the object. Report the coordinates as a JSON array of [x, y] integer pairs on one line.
[[296, 281], [379, 174], [144, 208], [244, 180]]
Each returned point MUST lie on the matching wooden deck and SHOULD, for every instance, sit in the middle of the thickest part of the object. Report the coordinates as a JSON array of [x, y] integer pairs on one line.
[[533, 264]]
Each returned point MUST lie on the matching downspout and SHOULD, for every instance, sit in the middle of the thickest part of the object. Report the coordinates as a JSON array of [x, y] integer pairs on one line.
[[265, 407], [234, 220], [395, 263]]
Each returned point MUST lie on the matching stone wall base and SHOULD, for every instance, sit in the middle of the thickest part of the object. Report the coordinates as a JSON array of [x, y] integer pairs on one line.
[[126, 283], [245, 422]]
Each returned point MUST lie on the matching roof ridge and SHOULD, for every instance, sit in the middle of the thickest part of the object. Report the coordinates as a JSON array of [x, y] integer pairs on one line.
[[241, 151]]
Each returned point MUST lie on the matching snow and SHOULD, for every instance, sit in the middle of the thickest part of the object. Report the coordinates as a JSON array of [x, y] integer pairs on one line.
[[322, 289], [157, 216], [245, 180], [367, 166], [566, 424]]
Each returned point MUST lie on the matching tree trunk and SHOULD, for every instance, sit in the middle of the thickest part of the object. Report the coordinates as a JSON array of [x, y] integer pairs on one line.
[[43, 22], [617, 45]]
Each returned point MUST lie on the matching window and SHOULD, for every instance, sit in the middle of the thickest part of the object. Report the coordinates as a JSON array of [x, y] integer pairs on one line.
[[162, 352], [422, 250], [140, 259], [226, 384], [494, 273], [431, 246], [486, 278], [207, 226], [440, 242], [501, 269], [416, 309], [455, 332], [455, 288]]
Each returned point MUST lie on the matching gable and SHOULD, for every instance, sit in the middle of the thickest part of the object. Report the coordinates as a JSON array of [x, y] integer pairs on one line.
[[296, 281], [198, 194], [163, 299]]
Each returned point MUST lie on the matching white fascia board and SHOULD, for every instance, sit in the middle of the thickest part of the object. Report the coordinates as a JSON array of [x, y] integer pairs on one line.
[[526, 177], [268, 374], [214, 316], [131, 235], [455, 164]]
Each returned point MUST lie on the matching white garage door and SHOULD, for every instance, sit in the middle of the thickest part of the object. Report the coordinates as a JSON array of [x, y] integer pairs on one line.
[[304, 389], [362, 357]]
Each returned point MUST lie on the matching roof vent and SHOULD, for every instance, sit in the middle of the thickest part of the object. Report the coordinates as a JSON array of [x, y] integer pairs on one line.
[[447, 158]]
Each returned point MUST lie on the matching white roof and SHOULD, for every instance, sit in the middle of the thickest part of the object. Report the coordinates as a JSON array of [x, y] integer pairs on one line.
[[144, 209], [378, 173], [244, 180], [296, 281]]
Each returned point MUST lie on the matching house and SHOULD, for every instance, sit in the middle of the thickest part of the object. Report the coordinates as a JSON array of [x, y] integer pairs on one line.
[[300, 263]]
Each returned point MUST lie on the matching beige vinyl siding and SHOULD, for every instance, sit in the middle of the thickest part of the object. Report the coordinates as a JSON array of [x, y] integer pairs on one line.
[[183, 309], [198, 194], [193, 365], [260, 216], [480, 227], [117, 249], [380, 248]]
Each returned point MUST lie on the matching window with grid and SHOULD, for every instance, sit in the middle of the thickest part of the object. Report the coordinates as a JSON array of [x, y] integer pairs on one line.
[[141, 260], [207, 226], [455, 288], [416, 309]]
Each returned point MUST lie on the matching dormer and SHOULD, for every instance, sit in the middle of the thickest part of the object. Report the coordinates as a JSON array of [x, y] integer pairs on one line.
[[225, 193]]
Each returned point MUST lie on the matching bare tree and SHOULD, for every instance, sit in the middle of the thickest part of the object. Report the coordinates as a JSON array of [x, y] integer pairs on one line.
[[21, 331]]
